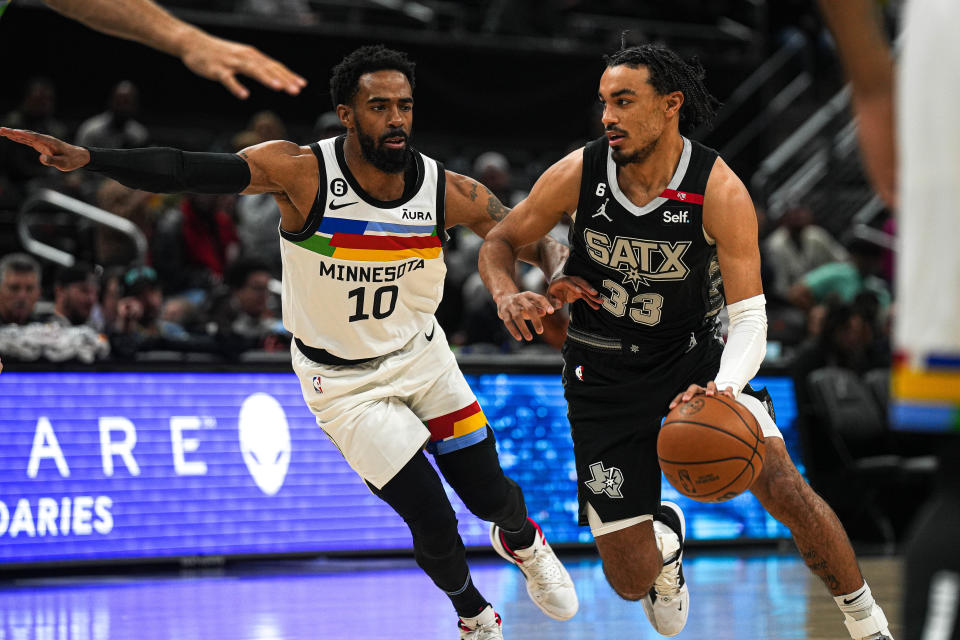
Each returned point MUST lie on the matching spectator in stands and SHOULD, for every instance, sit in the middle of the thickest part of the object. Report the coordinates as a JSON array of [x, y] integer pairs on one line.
[[116, 128], [328, 125], [18, 165], [138, 308], [112, 247], [138, 325], [243, 312], [844, 280], [258, 216], [268, 126], [797, 247], [492, 169], [848, 338], [19, 289], [104, 313], [296, 11], [36, 110], [75, 291], [194, 243]]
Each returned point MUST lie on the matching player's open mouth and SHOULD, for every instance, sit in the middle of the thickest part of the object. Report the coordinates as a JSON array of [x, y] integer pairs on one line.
[[615, 138], [395, 143]]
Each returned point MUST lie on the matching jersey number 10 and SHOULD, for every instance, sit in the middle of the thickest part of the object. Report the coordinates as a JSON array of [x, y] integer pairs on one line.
[[381, 307]]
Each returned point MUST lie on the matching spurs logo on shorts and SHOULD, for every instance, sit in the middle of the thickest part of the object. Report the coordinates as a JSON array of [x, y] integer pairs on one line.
[[607, 481]]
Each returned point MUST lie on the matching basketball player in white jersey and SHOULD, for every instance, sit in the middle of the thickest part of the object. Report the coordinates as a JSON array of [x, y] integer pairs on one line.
[[363, 224], [677, 240], [920, 177]]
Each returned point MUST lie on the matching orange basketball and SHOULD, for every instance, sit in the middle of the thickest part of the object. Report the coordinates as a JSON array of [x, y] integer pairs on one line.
[[711, 448]]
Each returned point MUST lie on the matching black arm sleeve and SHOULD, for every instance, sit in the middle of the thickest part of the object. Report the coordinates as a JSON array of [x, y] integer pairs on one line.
[[166, 170]]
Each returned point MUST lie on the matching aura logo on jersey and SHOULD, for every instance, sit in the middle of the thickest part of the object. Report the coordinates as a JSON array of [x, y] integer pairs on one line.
[[639, 260], [265, 441]]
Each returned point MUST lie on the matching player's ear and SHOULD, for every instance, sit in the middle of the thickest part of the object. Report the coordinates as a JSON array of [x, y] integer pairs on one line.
[[345, 113], [672, 103]]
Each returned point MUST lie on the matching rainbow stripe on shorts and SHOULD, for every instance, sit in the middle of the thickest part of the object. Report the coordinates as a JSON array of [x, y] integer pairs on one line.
[[927, 398], [457, 430], [369, 241]]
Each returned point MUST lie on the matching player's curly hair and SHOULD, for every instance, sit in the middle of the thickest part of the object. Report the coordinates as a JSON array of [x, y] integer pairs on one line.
[[668, 73], [345, 76]]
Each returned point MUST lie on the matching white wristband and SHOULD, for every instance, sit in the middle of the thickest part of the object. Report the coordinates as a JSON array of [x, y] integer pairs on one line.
[[746, 343]]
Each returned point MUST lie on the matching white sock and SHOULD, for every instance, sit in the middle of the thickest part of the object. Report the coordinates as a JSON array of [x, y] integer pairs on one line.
[[858, 604], [667, 541], [863, 617]]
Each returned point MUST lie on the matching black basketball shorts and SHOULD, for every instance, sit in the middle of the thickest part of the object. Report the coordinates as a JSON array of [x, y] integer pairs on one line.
[[615, 404]]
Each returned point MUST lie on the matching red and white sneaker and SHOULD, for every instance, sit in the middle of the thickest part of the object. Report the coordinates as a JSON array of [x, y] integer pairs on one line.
[[548, 582], [485, 625]]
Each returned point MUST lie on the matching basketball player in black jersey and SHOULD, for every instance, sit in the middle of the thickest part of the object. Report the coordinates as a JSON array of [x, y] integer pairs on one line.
[[665, 234]]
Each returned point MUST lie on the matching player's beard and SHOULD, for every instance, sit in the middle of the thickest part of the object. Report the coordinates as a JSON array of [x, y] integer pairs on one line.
[[635, 157], [381, 157]]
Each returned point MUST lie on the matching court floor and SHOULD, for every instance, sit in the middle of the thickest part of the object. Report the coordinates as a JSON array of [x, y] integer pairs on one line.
[[738, 595]]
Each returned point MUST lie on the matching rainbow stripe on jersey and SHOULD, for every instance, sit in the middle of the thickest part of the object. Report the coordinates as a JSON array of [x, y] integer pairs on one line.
[[926, 397], [369, 241], [457, 430]]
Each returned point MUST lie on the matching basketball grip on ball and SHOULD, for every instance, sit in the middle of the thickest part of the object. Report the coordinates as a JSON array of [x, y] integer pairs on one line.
[[711, 448]]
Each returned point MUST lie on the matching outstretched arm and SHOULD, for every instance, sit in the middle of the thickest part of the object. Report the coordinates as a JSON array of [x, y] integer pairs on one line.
[[866, 58], [213, 58], [281, 168]]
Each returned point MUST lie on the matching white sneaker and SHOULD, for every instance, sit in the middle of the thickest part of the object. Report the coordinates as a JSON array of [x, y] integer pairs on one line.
[[483, 626], [873, 627], [668, 603], [548, 582]]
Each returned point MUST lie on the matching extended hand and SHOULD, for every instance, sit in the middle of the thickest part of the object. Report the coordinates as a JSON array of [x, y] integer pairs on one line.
[[695, 389], [53, 152], [220, 60], [516, 309], [566, 289]]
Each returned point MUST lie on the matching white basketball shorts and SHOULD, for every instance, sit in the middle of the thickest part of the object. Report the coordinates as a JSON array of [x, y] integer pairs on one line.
[[380, 413]]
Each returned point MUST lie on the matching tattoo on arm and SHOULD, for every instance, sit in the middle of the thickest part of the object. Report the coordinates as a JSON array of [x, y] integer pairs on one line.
[[243, 154], [496, 209]]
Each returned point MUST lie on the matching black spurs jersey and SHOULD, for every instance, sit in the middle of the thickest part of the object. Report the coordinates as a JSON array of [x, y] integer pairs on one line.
[[654, 268]]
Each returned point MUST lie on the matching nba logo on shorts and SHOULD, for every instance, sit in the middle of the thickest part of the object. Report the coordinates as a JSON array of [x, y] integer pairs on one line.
[[579, 372], [316, 384]]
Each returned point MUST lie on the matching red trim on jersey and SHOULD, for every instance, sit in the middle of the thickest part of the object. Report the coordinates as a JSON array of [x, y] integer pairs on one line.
[[394, 243], [682, 196]]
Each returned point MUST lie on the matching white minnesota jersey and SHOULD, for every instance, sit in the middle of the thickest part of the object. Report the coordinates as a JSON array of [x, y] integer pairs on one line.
[[364, 275], [928, 267]]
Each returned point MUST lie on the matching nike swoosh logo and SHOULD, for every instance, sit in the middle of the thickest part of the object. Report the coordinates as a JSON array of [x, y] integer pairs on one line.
[[852, 600], [433, 329], [334, 206]]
